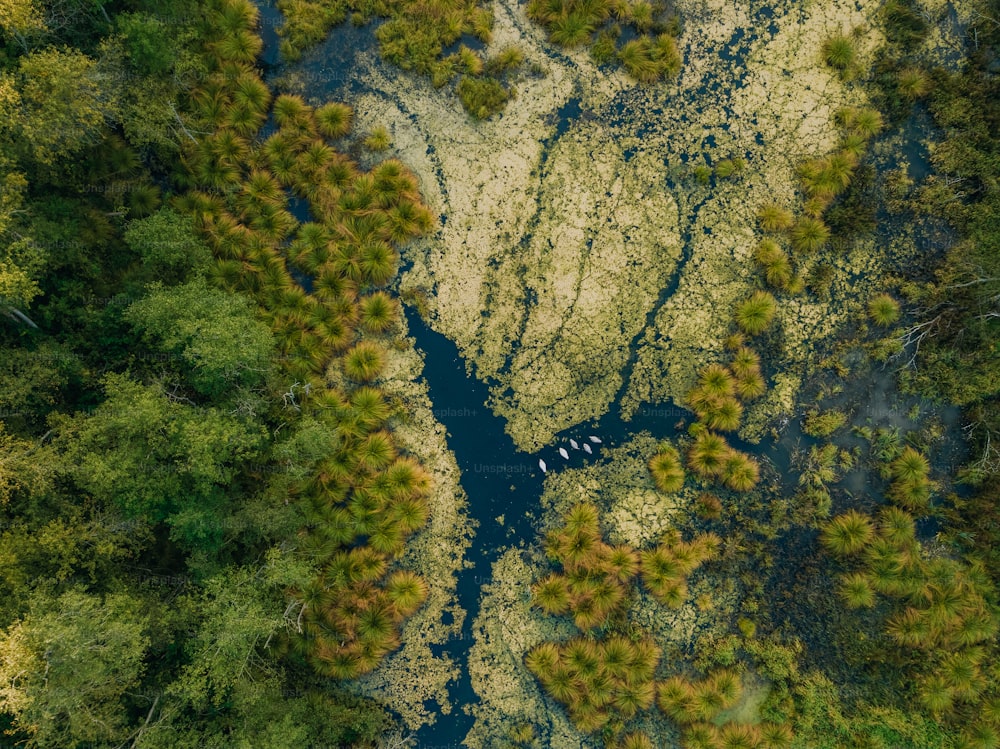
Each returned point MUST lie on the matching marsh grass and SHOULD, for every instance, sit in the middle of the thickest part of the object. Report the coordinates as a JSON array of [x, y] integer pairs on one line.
[[364, 500], [809, 234], [840, 54], [378, 140], [607, 681], [755, 314], [665, 465], [883, 310]]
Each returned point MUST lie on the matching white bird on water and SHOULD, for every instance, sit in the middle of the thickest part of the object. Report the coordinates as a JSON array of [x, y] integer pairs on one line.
[[562, 451], [595, 440], [587, 448], [572, 443], [541, 464]]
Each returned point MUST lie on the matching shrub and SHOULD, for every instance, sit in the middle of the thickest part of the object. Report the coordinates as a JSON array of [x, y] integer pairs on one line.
[[482, 97]]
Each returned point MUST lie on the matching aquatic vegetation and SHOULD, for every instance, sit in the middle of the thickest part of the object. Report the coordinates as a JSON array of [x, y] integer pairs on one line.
[[665, 465], [883, 310], [809, 234], [740, 472], [823, 423], [847, 534], [839, 53], [709, 506], [378, 140], [754, 315]]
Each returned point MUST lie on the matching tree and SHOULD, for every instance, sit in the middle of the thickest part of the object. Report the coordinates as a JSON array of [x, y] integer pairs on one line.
[[67, 667], [212, 332], [17, 289], [64, 104], [240, 614], [147, 42], [21, 20], [17, 470], [168, 247], [157, 458]]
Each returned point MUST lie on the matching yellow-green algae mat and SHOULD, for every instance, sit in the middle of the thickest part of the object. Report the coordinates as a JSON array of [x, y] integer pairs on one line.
[[556, 244]]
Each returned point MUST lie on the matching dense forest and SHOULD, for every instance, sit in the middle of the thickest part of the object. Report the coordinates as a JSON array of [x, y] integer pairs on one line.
[[205, 509]]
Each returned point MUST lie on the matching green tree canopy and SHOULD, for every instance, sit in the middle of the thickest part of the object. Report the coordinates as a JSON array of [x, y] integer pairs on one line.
[[158, 458], [213, 333], [167, 245], [66, 667], [64, 104]]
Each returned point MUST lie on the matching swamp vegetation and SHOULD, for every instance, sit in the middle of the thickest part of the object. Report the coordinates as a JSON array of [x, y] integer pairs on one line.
[[231, 515]]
